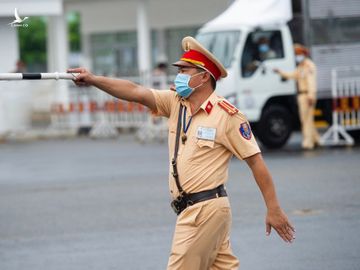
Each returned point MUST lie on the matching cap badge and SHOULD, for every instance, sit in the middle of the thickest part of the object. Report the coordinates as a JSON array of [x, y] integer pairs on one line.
[[187, 46]]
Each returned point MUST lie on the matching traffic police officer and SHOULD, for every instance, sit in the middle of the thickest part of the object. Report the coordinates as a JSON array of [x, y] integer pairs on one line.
[[205, 131], [305, 74]]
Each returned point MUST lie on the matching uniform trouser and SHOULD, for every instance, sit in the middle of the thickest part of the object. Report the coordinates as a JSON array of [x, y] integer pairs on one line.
[[309, 132], [202, 238]]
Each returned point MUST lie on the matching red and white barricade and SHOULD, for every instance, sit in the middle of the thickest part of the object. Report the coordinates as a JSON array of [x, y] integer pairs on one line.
[[346, 106], [78, 113], [94, 109], [104, 115], [98, 111], [156, 128], [59, 115]]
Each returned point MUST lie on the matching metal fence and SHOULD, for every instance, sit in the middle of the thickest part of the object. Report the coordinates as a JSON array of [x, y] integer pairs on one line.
[[346, 106]]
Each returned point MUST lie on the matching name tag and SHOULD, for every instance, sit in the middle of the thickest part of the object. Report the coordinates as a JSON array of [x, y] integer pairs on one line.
[[206, 133]]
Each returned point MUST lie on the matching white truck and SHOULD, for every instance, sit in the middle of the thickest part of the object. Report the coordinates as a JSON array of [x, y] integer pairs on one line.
[[269, 102]]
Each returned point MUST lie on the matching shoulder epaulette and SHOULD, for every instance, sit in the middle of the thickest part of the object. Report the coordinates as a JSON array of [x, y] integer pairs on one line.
[[229, 108]]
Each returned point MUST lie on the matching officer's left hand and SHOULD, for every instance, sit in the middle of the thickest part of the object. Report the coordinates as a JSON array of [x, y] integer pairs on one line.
[[277, 219]]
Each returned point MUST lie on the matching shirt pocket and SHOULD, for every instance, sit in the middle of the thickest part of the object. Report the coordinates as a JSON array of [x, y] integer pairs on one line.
[[200, 151], [205, 143]]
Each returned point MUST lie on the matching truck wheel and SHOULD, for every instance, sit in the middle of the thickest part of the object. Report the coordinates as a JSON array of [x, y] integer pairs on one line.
[[275, 126]]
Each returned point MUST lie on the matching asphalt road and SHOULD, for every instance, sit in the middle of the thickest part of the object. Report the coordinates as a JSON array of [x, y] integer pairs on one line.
[[89, 204]]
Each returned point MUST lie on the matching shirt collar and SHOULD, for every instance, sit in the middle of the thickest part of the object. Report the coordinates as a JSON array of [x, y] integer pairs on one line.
[[207, 106]]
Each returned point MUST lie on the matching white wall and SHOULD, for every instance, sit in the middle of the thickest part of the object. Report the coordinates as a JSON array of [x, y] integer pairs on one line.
[[109, 16], [9, 52]]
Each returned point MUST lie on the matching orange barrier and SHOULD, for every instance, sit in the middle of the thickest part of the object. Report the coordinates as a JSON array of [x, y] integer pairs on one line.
[[117, 113]]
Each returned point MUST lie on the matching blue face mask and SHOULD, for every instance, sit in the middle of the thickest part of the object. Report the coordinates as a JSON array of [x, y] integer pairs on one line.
[[299, 58], [182, 84], [264, 48]]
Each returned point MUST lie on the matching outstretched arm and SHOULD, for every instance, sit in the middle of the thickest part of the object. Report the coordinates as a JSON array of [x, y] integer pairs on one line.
[[275, 218], [287, 75], [121, 89]]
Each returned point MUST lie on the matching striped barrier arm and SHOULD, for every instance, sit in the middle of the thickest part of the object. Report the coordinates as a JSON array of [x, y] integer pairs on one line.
[[37, 76]]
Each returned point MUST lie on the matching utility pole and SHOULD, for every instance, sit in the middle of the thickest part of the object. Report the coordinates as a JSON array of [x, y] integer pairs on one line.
[[306, 23]]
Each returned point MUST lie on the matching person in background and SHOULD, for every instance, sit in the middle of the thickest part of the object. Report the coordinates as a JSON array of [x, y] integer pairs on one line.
[[161, 69], [20, 67], [305, 75], [159, 76], [264, 50]]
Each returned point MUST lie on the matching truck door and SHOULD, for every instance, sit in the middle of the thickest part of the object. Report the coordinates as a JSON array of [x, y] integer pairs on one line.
[[263, 51]]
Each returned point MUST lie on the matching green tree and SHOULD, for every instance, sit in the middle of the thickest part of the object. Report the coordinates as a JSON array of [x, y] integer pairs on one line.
[[73, 20], [33, 41]]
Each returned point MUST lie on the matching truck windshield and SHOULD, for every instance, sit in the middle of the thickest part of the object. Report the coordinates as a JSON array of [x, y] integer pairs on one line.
[[221, 44]]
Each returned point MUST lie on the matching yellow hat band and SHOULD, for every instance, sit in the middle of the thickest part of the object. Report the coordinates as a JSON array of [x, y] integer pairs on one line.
[[193, 61]]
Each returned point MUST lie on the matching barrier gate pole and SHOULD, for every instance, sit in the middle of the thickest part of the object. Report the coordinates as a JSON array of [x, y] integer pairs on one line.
[[37, 76]]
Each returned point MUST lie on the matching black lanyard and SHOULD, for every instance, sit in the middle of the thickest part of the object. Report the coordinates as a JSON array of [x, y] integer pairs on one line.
[[176, 150]]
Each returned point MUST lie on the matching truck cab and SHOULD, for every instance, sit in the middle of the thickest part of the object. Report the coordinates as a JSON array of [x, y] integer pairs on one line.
[[250, 54]]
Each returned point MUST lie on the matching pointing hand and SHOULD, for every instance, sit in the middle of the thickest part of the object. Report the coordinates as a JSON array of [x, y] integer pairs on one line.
[[84, 78]]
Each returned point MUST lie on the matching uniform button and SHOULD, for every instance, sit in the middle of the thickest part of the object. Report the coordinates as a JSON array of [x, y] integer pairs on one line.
[[171, 191]]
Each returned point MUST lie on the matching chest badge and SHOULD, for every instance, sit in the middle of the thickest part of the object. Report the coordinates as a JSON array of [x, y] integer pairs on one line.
[[206, 133]]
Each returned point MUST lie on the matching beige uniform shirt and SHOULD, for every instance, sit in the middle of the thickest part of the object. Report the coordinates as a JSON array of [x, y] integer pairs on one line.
[[213, 137], [305, 74]]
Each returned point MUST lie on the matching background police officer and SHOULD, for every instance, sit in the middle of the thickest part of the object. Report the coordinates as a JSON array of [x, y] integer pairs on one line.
[[305, 75]]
